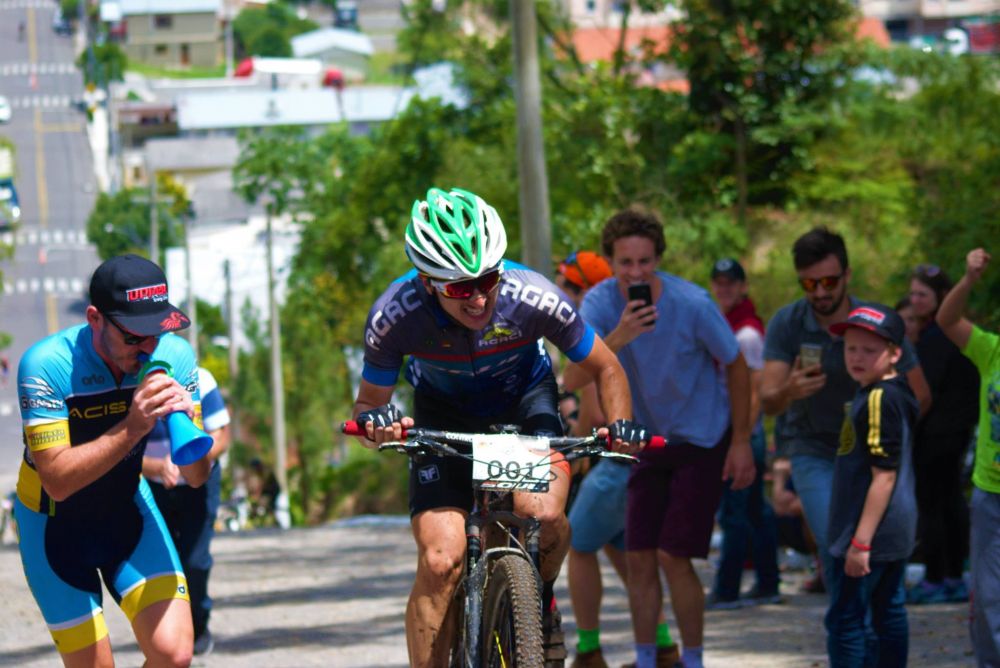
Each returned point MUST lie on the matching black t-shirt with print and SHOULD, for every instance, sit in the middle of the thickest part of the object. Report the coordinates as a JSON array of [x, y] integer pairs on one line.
[[880, 435]]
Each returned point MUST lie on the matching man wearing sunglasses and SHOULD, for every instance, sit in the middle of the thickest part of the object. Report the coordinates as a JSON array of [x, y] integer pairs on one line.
[[83, 511], [805, 381], [471, 324]]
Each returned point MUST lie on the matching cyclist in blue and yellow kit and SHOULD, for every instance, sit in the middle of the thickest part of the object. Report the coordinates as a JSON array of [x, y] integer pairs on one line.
[[83, 511], [471, 324]]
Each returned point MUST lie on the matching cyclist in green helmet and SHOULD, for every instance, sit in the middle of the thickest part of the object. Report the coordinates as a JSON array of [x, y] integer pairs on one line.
[[471, 324]]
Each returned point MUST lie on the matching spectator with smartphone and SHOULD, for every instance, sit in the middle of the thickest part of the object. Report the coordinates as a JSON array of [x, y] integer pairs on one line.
[[809, 399], [597, 521], [983, 348], [672, 364], [745, 516], [942, 439]]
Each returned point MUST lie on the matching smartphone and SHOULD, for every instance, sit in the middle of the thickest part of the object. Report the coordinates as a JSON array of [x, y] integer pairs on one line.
[[642, 291], [810, 354]]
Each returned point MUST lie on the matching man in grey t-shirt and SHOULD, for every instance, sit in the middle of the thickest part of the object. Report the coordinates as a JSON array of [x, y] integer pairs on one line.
[[809, 396]]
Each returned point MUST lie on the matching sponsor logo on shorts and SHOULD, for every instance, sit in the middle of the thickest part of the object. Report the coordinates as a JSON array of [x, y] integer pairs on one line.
[[428, 474]]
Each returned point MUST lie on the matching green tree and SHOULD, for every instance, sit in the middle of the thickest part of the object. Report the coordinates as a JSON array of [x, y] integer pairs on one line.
[[109, 64], [120, 223], [762, 74], [267, 31]]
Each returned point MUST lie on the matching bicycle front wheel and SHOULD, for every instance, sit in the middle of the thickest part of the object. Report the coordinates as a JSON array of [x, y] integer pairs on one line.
[[512, 616]]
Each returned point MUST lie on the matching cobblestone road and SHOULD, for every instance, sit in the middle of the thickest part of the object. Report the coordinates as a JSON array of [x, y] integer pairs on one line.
[[334, 596]]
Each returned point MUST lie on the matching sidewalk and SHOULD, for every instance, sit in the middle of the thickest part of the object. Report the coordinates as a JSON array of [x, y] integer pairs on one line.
[[335, 595]]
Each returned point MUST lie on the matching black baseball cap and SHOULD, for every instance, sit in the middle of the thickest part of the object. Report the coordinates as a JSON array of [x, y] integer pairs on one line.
[[877, 319], [133, 292], [729, 268]]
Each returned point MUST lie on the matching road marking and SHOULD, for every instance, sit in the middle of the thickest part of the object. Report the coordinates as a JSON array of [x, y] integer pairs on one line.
[[59, 237], [40, 187], [24, 69], [66, 288], [52, 313], [47, 101], [32, 43], [6, 408]]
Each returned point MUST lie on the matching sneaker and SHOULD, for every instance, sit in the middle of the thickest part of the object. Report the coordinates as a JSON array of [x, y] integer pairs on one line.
[[666, 657], [592, 659], [713, 602], [204, 644], [553, 641], [927, 592], [956, 591], [757, 597]]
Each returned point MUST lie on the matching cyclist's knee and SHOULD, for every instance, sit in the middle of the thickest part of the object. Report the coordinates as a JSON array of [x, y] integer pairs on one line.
[[174, 655], [552, 517], [441, 566]]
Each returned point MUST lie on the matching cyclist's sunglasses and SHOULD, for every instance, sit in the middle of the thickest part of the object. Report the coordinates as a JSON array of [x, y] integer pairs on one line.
[[928, 270], [128, 337], [828, 283], [486, 284]]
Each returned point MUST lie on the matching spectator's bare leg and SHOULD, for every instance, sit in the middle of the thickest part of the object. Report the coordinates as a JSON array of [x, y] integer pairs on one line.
[[645, 595], [585, 588], [686, 596]]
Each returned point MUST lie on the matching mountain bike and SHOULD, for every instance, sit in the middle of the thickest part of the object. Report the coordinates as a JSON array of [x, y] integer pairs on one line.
[[498, 601]]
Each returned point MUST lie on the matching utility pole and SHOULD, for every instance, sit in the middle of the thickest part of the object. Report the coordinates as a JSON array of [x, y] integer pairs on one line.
[[192, 302], [234, 424], [281, 511], [154, 223], [533, 193]]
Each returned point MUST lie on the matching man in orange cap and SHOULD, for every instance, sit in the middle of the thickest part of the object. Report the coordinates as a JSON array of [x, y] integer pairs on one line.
[[580, 271]]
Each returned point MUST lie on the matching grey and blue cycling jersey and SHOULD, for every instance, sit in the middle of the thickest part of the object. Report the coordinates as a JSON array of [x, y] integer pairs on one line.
[[482, 372]]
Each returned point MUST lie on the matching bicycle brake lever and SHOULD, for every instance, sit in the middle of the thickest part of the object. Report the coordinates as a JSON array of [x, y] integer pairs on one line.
[[617, 456]]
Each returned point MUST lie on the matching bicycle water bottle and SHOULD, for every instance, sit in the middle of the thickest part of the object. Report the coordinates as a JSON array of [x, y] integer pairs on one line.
[[188, 443]]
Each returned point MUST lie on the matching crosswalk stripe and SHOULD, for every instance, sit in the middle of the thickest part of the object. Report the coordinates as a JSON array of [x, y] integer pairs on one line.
[[61, 286]]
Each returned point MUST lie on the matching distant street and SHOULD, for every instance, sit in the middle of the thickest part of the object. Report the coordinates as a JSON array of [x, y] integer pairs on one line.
[[44, 283]]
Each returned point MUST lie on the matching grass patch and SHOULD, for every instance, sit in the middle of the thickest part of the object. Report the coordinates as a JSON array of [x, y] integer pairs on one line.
[[388, 68], [156, 72]]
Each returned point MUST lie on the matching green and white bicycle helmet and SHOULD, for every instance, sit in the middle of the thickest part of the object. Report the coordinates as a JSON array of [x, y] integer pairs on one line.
[[454, 235]]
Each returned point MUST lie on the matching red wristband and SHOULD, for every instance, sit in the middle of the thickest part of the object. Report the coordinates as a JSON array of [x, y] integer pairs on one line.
[[860, 546]]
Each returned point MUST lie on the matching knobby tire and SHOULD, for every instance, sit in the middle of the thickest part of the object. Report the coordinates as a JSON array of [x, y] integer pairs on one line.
[[512, 617]]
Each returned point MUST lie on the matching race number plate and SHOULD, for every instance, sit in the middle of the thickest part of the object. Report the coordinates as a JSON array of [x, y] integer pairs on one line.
[[511, 462]]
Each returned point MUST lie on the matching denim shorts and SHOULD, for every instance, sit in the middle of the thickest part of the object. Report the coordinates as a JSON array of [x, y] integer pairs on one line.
[[598, 514]]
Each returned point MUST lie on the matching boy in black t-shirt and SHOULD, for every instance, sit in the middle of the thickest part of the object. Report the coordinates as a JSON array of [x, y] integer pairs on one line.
[[873, 515]]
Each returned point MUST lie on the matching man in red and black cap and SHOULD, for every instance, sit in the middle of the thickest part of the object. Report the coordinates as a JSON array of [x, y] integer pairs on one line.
[[83, 511]]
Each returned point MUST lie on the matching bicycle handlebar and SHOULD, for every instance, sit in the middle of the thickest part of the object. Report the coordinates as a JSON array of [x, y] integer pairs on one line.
[[352, 428]]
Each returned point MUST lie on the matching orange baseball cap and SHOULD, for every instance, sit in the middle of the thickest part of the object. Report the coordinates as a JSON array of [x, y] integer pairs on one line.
[[585, 269]]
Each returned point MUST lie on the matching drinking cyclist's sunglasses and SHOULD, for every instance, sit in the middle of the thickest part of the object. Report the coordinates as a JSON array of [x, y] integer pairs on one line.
[[128, 337], [486, 284], [828, 283]]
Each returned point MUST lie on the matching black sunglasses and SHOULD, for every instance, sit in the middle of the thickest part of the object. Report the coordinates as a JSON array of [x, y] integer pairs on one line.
[[128, 337]]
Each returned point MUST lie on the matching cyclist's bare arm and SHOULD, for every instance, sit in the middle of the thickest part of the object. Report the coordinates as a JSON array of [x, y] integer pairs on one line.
[[372, 396], [612, 386], [65, 470]]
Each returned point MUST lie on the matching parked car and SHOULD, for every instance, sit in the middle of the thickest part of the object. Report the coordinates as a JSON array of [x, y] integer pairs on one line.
[[5, 110], [60, 24]]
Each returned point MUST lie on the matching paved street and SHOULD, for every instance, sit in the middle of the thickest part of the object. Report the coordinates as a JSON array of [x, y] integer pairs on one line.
[[43, 284], [334, 596]]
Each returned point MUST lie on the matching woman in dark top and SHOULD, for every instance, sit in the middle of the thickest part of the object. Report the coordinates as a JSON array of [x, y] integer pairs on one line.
[[942, 438]]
